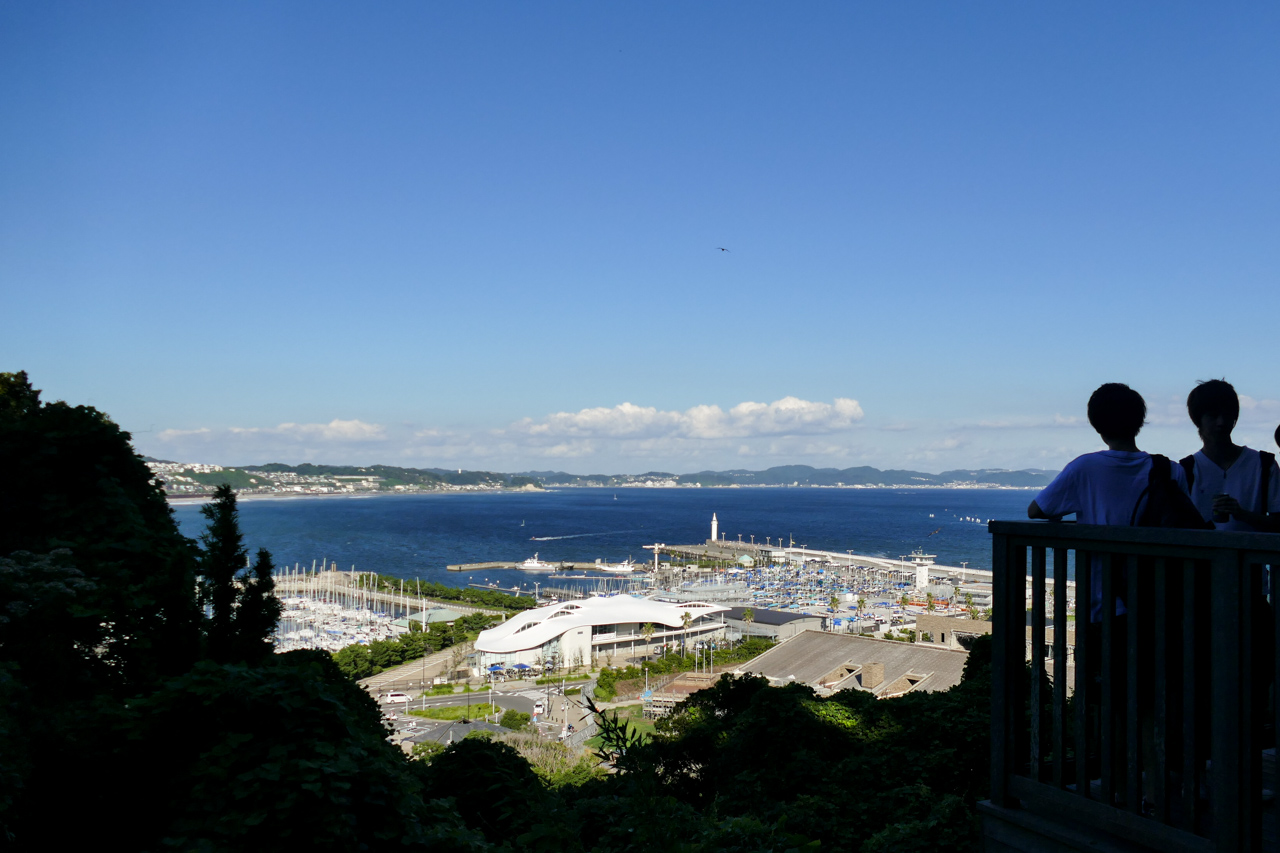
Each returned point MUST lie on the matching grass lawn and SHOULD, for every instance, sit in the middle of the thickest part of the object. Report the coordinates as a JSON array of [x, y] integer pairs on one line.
[[479, 711], [633, 714]]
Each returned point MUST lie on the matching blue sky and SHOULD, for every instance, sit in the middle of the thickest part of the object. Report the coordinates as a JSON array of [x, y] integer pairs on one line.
[[486, 235]]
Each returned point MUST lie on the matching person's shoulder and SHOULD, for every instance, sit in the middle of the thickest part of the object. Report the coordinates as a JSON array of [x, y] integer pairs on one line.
[[1086, 460], [1254, 456], [1075, 466]]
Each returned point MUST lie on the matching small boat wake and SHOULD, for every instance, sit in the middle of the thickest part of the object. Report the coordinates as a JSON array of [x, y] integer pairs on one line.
[[580, 535]]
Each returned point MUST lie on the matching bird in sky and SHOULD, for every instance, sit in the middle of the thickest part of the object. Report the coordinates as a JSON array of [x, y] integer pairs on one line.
[[722, 248]]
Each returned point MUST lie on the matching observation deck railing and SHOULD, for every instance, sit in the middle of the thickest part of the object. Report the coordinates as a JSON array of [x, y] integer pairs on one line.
[[1161, 741]]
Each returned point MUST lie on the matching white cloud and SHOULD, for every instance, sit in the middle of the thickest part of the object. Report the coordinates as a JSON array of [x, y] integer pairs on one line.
[[285, 442], [779, 431], [335, 430], [788, 416]]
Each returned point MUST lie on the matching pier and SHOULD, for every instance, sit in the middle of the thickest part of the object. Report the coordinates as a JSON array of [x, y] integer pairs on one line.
[[331, 584], [562, 566]]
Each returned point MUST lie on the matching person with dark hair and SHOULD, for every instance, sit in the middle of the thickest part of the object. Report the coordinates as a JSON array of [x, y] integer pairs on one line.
[[1123, 486], [1110, 486], [1235, 487]]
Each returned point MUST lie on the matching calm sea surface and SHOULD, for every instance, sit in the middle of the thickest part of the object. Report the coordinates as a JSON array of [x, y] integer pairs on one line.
[[412, 536]]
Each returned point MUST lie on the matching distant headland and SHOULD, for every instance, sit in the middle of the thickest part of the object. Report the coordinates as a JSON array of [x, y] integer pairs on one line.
[[183, 479]]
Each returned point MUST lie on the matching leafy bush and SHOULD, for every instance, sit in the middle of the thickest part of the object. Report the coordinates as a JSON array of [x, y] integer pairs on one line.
[[515, 720], [359, 661]]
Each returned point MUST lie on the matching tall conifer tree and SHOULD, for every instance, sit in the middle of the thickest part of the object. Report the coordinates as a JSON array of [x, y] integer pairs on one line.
[[243, 609]]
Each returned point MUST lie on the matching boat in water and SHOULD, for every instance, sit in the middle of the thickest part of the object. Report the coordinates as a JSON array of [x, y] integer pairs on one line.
[[533, 564], [625, 567]]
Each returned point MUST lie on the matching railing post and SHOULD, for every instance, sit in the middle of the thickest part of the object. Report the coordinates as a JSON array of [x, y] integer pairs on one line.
[[1009, 649], [1002, 730], [1229, 703], [1038, 730]]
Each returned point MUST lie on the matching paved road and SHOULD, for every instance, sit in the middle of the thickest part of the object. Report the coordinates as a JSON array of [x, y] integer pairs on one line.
[[520, 697]]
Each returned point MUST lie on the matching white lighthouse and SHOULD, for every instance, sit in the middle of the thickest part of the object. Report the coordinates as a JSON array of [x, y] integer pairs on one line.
[[715, 528]]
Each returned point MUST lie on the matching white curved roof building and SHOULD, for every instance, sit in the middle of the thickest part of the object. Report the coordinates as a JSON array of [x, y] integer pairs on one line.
[[573, 633]]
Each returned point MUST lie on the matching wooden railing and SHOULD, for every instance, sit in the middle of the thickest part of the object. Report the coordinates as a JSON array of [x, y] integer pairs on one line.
[[1159, 739]]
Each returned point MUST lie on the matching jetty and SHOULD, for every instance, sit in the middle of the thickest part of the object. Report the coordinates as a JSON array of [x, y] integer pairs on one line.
[[562, 566]]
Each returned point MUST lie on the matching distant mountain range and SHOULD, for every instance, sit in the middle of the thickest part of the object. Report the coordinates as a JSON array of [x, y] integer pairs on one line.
[[781, 475]]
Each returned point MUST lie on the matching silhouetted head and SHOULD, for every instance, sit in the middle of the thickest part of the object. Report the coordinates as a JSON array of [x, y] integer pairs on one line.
[[1214, 408], [1278, 435], [1117, 411], [1215, 397]]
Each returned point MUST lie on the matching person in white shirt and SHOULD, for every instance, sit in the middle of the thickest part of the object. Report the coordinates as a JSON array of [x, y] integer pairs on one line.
[[1235, 487]]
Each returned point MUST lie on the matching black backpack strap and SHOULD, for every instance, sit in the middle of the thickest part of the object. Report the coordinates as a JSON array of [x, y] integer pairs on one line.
[[1264, 480], [1188, 464], [1161, 471]]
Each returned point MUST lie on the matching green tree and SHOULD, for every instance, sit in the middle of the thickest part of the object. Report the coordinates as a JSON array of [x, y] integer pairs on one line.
[[515, 720], [862, 604], [73, 482], [243, 608], [686, 619], [493, 788], [928, 601], [647, 630], [748, 616], [354, 661], [905, 600], [386, 653], [834, 602], [232, 757]]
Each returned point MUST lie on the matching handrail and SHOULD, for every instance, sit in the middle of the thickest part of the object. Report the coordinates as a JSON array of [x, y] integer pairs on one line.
[[1146, 745]]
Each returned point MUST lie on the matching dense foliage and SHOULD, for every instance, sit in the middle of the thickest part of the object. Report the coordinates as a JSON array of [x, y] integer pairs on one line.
[[138, 712], [613, 680], [360, 661]]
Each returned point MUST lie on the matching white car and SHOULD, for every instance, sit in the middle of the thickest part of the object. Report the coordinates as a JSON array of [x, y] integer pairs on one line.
[[395, 697], [538, 708]]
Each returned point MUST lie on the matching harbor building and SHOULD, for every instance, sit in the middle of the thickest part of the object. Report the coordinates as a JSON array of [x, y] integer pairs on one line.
[[774, 624], [577, 632]]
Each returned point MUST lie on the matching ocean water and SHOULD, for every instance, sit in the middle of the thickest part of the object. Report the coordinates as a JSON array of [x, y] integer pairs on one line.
[[417, 536]]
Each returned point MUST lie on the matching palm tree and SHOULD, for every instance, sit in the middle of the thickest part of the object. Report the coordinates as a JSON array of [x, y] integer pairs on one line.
[[968, 602], [834, 603], [905, 600], [928, 601], [686, 619], [862, 604], [647, 630], [748, 616]]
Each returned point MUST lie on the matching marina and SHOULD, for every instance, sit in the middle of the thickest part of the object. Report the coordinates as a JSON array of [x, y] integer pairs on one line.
[[848, 592]]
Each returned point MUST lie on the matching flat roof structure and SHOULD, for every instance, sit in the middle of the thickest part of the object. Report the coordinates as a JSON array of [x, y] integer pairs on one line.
[[434, 614], [760, 616], [574, 632], [834, 662]]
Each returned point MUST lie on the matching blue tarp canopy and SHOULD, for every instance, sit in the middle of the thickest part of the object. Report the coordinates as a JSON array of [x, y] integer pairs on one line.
[[497, 667], [523, 666]]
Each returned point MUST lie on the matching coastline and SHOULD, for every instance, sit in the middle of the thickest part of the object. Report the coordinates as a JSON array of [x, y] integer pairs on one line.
[[247, 496]]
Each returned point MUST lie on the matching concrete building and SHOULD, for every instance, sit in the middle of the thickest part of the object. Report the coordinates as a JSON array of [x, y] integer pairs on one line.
[[774, 624], [948, 630], [573, 633]]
